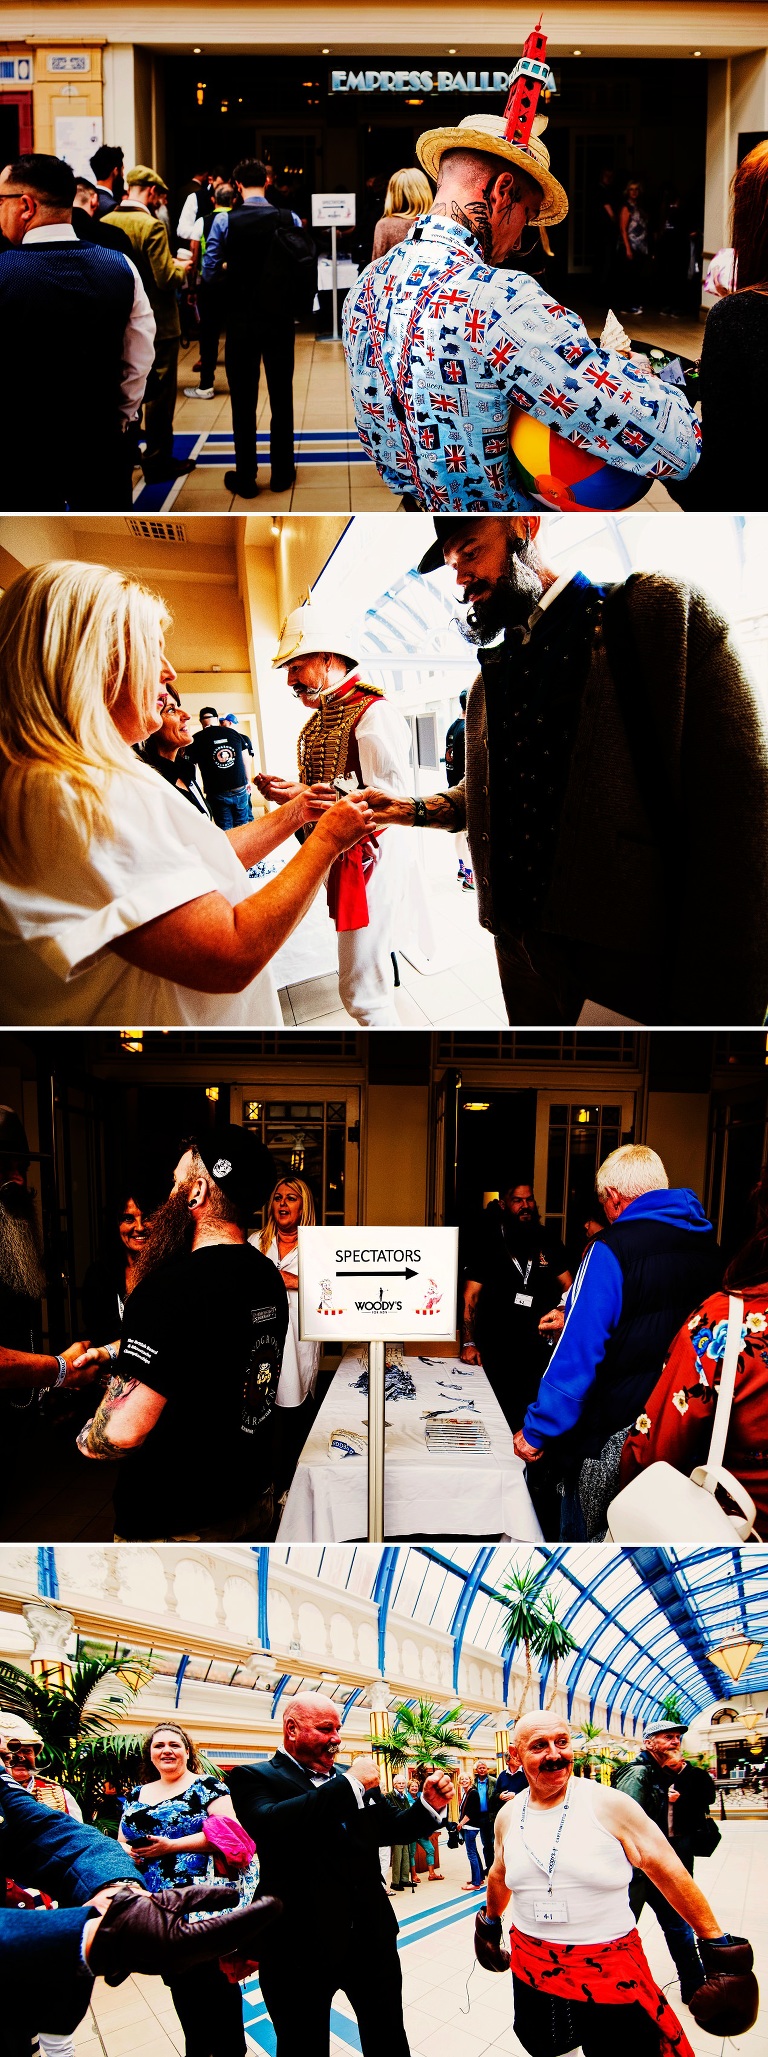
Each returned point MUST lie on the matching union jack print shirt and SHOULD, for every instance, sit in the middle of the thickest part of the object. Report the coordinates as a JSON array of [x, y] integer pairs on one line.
[[440, 348]]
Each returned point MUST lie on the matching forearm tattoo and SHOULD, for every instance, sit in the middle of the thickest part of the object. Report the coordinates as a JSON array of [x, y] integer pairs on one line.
[[439, 811], [94, 1439]]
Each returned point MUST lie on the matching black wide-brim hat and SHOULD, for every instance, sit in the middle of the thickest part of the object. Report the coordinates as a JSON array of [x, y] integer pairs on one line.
[[446, 526]]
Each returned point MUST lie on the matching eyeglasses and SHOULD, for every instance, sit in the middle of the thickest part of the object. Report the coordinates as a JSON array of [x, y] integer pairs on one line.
[[5, 195]]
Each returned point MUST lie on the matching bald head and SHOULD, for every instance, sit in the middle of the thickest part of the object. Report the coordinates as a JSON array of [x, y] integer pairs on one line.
[[541, 1747], [311, 1727]]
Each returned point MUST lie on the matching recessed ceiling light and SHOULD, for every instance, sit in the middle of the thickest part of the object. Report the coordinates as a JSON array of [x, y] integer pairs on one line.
[[452, 53], [577, 53], [325, 52], [198, 50], [695, 53]]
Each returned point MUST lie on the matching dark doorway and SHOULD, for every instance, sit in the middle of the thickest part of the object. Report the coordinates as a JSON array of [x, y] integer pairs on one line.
[[10, 140], [496, 1143]]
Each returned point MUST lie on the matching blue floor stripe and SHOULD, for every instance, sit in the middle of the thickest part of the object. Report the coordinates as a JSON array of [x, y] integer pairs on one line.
[[407, 1920], [210, 461], [299, 436], [257, 2022]]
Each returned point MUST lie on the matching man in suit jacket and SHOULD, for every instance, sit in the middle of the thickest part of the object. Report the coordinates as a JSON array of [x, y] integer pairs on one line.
[[318, 1834]]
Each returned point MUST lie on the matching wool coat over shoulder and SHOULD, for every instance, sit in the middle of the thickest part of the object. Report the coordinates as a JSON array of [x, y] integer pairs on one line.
[[667, 856]]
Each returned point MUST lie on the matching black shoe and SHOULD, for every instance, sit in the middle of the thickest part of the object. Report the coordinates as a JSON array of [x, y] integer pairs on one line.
[[178, 468], [277, 485], [234, 485], [152, 1932]]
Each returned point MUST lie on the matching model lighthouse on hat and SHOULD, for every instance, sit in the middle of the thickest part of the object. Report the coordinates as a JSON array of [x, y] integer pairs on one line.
[[530, 76]]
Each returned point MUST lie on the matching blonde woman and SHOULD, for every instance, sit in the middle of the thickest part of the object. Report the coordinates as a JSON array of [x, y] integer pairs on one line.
[[118, 902], [290, 1208], [409, 194]]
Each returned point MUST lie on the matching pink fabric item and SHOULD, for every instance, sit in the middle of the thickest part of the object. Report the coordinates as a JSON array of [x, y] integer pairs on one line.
[[229, 1842]]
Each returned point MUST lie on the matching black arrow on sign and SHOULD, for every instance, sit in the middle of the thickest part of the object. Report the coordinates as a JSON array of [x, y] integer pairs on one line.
[[374, 1275]]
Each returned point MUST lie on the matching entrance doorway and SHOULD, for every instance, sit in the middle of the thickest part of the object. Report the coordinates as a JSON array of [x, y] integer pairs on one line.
[[315, 1139], [486, 1140]]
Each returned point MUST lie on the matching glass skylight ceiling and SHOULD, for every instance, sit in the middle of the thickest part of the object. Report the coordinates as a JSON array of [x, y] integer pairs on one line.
[[644, 1620]]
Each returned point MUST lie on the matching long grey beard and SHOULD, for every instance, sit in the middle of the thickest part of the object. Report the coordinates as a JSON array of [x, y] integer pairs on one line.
[[21, 1255]]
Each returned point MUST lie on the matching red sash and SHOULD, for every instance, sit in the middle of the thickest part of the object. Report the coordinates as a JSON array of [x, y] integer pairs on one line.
[[617, 1973], [347, 897], [347, 878]]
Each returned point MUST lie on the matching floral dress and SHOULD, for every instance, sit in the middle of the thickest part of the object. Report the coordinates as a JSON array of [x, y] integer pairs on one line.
[[183, 1815], [676, 1423]]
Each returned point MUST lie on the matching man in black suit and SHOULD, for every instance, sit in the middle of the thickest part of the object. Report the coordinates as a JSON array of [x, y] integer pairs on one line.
[[318, 1834]]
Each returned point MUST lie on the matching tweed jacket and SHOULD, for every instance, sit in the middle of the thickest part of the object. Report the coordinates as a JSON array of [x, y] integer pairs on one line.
[[682, 869], [151, 254]]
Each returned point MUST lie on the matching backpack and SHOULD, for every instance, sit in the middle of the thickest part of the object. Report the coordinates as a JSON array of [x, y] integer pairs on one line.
[[291, 265]]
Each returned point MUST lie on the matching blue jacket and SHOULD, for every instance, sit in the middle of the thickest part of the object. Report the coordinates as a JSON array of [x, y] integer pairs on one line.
[[634, 1287], [45, 1983]]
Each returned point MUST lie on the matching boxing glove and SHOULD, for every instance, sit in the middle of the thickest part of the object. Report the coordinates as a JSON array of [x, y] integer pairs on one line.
[[727, 2003], [489, 1943]]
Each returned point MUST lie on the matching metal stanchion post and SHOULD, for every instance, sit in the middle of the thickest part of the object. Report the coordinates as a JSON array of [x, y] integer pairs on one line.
[[376, 1353], [335, 284]]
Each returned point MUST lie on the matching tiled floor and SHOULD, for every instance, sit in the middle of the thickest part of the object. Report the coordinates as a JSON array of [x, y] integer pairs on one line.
[[459, 988], [339, 477], [452, 2008]]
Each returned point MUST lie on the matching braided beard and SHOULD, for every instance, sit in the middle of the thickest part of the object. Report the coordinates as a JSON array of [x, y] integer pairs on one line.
[[325, 739]]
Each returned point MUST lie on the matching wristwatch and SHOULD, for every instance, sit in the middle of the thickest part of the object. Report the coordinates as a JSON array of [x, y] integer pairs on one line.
[[419, 812]]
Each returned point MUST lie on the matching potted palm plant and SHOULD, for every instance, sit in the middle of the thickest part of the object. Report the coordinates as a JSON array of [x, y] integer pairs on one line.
[[76, 1724], [554, 1641], [419, 1740]]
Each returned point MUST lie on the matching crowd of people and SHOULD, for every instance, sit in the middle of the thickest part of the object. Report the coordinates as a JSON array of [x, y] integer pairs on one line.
[[606, 1373], [122, 900], [185, 1282], [600, 1375], [120, 272], [578, 1860]]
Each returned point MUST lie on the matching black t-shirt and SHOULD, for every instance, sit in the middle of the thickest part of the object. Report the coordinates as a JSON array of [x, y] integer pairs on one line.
[[455, 752], [220, 753], [206, 1331], [520, 1281], [19, 1321]]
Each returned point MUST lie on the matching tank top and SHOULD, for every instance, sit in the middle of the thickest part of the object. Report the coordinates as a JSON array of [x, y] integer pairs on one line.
[[591, 1874]]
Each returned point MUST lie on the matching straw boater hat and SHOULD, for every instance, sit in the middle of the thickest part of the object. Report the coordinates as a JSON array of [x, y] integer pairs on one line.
[[487, 132]]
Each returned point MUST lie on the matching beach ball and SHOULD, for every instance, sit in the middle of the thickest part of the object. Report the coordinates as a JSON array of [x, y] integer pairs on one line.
[[560, 474]]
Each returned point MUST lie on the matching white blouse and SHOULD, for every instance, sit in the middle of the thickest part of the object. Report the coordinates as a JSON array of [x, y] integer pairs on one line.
[[298, 1376], [60, 921]]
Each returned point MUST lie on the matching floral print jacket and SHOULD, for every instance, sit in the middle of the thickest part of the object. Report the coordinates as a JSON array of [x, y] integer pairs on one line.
[[676, 1424]]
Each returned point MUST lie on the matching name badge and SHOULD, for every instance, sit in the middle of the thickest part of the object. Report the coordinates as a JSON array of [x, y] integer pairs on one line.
[[523, 1299], [550, 1909]]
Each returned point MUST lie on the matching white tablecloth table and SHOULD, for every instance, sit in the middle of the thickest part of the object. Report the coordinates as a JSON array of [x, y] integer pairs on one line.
[[426, 1493]]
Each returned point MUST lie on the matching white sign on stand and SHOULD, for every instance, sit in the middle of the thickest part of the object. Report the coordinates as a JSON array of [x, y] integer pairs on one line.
[[377, 1285], [333, 211]]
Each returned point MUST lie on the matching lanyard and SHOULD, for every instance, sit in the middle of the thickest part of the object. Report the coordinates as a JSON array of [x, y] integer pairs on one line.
[[548, 1868], [525, 1275]]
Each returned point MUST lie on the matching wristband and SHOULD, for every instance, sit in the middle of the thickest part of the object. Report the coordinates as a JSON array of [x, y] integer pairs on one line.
[[112, 1352], [57, 1381], [419, 812], [491, 1920]]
